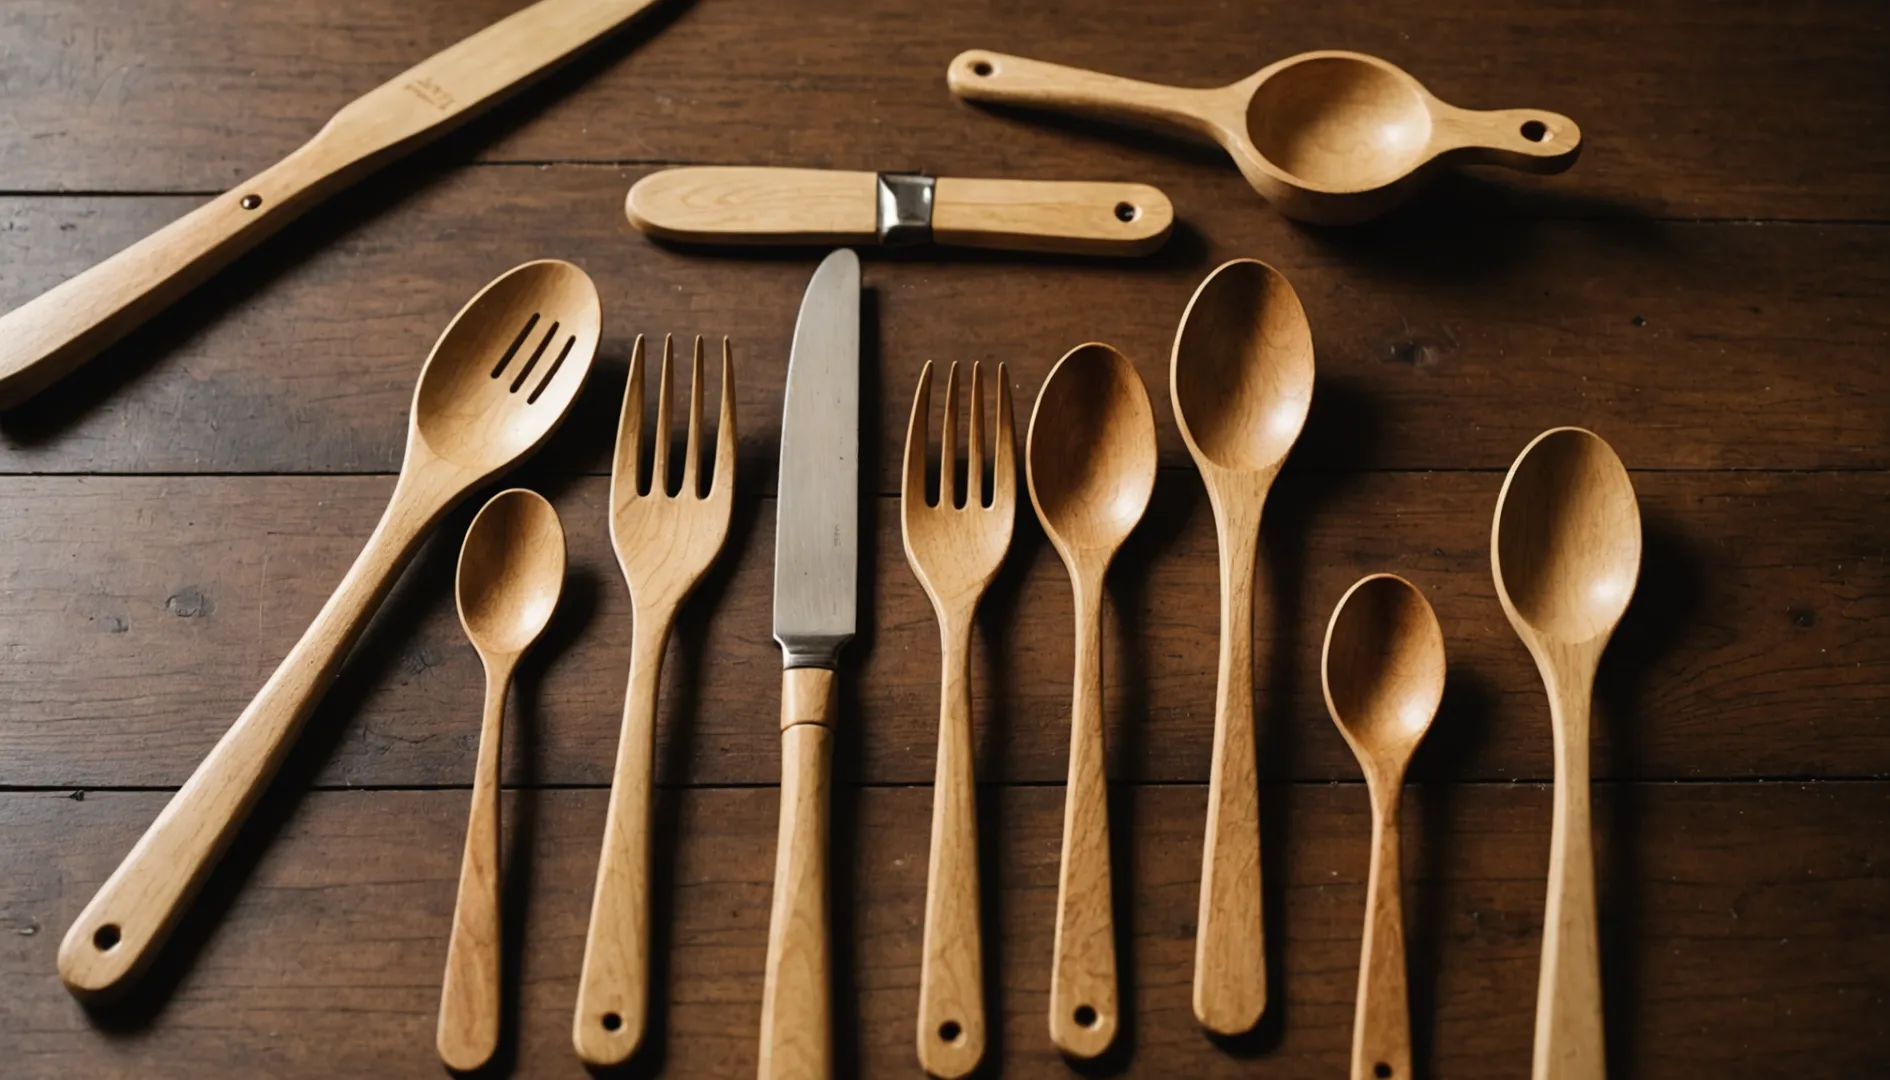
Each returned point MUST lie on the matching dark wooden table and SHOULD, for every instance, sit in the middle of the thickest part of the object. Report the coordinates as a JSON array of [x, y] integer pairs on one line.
[[1709, 289]]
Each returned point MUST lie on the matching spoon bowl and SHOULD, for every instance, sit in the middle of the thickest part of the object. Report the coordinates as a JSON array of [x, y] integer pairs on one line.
[[1242, 370], [1091, 453], [1331, 137], [1567, 546], [1383, 671], [497, 383], [511, 571]]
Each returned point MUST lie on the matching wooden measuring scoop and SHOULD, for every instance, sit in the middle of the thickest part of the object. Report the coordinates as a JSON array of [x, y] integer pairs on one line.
[[1329, 137]]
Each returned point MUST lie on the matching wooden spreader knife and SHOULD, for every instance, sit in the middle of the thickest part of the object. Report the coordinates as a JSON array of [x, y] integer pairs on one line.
[[718, 204], [50, 335]]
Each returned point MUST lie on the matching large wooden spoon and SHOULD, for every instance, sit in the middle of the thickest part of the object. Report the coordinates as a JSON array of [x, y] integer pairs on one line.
[[1090, 459], [495, 387], [1565, 549], [511, 573], [1383, 670], [1241, 378], [1330, 137]]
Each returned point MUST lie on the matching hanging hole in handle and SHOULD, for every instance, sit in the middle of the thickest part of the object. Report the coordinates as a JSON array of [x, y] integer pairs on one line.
[[612, 1021], [982, 68], [950, 1031], [251, 201], [1534, 131], [1126, 211], [1086, 1016], [106, 937], [1381, 1070]]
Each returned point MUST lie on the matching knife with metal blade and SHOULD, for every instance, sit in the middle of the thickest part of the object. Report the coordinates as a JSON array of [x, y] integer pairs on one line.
[[64, 327], [720, 204], [816, 584]]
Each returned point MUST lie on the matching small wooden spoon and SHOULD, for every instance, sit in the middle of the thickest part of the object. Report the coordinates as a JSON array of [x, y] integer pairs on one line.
[[1330, 137], [1383, 670], [511, 572], [1241, 378], [495, 387], [1090, 458], [1565, 549]]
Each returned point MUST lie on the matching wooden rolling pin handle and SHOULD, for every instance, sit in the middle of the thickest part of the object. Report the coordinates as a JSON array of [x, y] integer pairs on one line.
[[796, 996]]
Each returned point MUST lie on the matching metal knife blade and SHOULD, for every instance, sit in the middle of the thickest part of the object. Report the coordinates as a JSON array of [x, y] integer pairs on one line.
[[817, 522]]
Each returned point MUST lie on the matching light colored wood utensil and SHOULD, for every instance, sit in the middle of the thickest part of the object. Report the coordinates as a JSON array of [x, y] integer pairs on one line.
[[664, 542], [1330, 137], [494, 388], [716, 204], [1565, 549], [511, 572], [47, 337], [955, 551], [1383, 672], [1090, 458], [1241, 378]]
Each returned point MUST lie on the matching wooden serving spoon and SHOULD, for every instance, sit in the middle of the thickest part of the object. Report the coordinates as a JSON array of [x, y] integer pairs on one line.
[[511, 572], [1565, 549], [495, 387], [1090, 459], [1241, 379], [1383, 670], [1329, 137]]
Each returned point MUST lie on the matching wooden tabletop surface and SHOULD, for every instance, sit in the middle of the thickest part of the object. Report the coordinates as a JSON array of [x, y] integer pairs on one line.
[[1709, 289]]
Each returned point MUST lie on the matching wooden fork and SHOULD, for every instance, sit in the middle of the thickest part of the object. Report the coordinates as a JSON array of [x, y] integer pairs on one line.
[[955, 551], [664, 543]]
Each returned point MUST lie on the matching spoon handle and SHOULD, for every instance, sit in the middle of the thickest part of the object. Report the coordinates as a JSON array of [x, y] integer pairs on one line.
[[1528, 140], [1381, 1028], [1230, 973], [614, 986], [135, 910], [1083, 1012], [797, 991], [1569, 1038], [951, 976], [469, 998], [979, 75]]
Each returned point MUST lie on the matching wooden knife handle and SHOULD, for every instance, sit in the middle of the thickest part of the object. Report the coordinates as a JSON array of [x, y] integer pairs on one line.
[[1076, 217], [55, 332], [756, 205], [796, 998]]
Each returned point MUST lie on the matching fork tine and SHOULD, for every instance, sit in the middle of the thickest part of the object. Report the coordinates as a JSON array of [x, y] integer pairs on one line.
[[974, 449], [912, 486], [692, 448], [1003, 464], [623, 469], [659, 470], [723, 482], [948, 443]]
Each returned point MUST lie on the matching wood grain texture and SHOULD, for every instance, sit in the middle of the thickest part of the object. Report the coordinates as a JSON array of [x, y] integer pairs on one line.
[[1069, 217], [1676, 127], [182, 593], [1747, 960], [797, 1019], [723, 205], [1447, 337]]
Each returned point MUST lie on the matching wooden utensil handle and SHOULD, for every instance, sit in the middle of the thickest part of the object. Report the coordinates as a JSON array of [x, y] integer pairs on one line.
[[614, 987], [1529, 140], [48, 336], [1083, 1013], [133, 912], [468, 1032], [796, 996], [1381, 1025], [980, 75], [1569, 1039], [951, 1034], [718, 204], [1068, 216], [1230, 973]]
